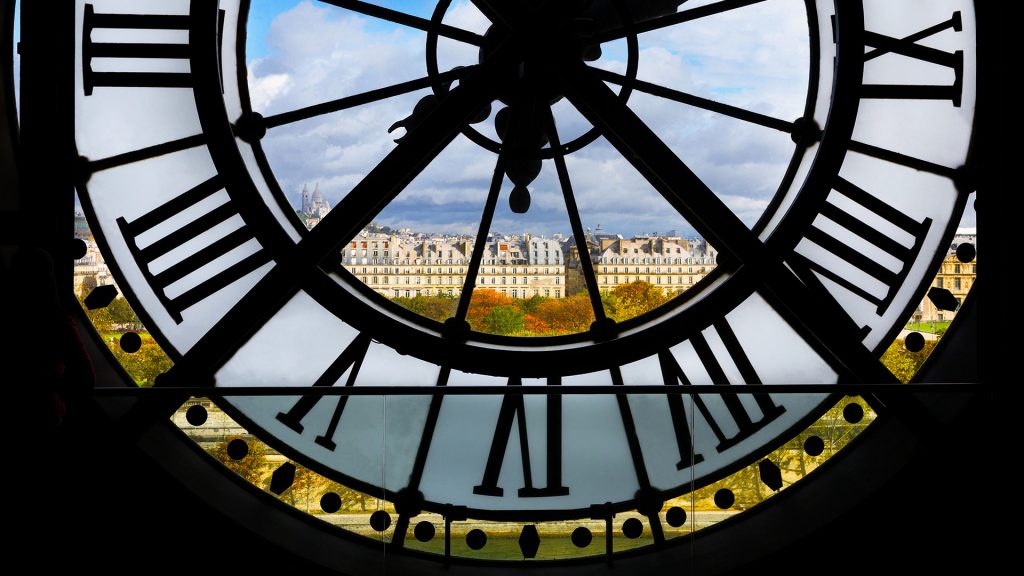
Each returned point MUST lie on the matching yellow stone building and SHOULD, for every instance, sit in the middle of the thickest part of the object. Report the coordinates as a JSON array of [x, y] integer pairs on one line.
[[671, 263], [953, 275], [415, 265]]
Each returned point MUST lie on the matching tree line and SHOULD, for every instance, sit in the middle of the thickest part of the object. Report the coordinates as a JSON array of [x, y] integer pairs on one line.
[[492, 312]]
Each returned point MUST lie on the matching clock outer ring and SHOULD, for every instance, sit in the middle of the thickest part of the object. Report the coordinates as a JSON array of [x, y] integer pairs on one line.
[[724, 297]]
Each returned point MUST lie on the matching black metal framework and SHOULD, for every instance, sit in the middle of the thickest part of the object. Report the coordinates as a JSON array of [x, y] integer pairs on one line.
[[751, 266]]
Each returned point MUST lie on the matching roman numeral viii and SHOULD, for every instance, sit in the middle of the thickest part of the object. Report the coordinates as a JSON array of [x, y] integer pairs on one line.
[[909, 47], [197, 271], [133, 54], [729, 420]]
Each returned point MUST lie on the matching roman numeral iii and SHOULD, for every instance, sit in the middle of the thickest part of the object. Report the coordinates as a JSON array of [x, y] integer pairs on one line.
[[132, 54]]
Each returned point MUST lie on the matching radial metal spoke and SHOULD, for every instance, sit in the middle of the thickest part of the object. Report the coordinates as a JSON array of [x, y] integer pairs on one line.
[[697, 101], [364, 98], [656, 162], [481, 238], [146, 153], [673, 19], [582, 249], [407, 20]]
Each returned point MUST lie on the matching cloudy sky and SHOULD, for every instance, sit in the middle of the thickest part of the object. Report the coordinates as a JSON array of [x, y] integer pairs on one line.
[[304, 52]]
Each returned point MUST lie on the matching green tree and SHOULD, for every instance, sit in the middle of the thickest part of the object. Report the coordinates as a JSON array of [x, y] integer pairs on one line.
[[121, 315], [504, 319], [530, 305], [440, 307]]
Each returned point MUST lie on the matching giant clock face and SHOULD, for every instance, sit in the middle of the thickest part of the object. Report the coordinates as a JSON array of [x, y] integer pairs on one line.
[[188, 210]]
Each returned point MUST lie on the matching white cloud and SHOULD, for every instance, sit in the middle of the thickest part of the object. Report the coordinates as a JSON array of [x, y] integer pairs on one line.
[[263, 90], [317, 53]]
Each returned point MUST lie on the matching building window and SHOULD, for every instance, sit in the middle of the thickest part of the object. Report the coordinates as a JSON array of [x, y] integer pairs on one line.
[[956, 282]]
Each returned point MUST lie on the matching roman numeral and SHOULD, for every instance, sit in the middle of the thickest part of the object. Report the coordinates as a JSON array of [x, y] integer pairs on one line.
[[513, 408], [185, 231], [735, 412], [910, 48], [132, 51], [352, 356], [867, 231]]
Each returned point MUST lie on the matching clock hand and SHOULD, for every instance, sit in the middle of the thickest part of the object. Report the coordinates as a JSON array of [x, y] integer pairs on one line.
[[582, 249], [363, 98], [349, 216], [430, 101]]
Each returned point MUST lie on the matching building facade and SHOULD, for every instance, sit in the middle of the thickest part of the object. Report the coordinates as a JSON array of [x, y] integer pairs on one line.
[[420, 265], [671, 263], [90, 270], [953, 275], [314, 206]]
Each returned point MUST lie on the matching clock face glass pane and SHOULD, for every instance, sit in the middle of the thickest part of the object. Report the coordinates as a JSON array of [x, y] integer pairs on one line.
[[536, 281]]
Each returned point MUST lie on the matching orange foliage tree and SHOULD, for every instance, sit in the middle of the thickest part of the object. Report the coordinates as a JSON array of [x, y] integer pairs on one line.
[[496, 313], [482, 305], [568, 315]]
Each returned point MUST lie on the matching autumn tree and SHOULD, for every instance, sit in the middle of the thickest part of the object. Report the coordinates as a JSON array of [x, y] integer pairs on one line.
[[902, 362], [145, 364], [633, 299], [253, 466], [351, 500], [481, 305], [567, 315], [440, 307], [306, 489]]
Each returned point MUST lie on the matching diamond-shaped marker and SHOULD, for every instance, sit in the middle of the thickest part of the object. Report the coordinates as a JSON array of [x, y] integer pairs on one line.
[[282, 478], [529, 541], [770, 474], [100, 297], [943, 299]]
